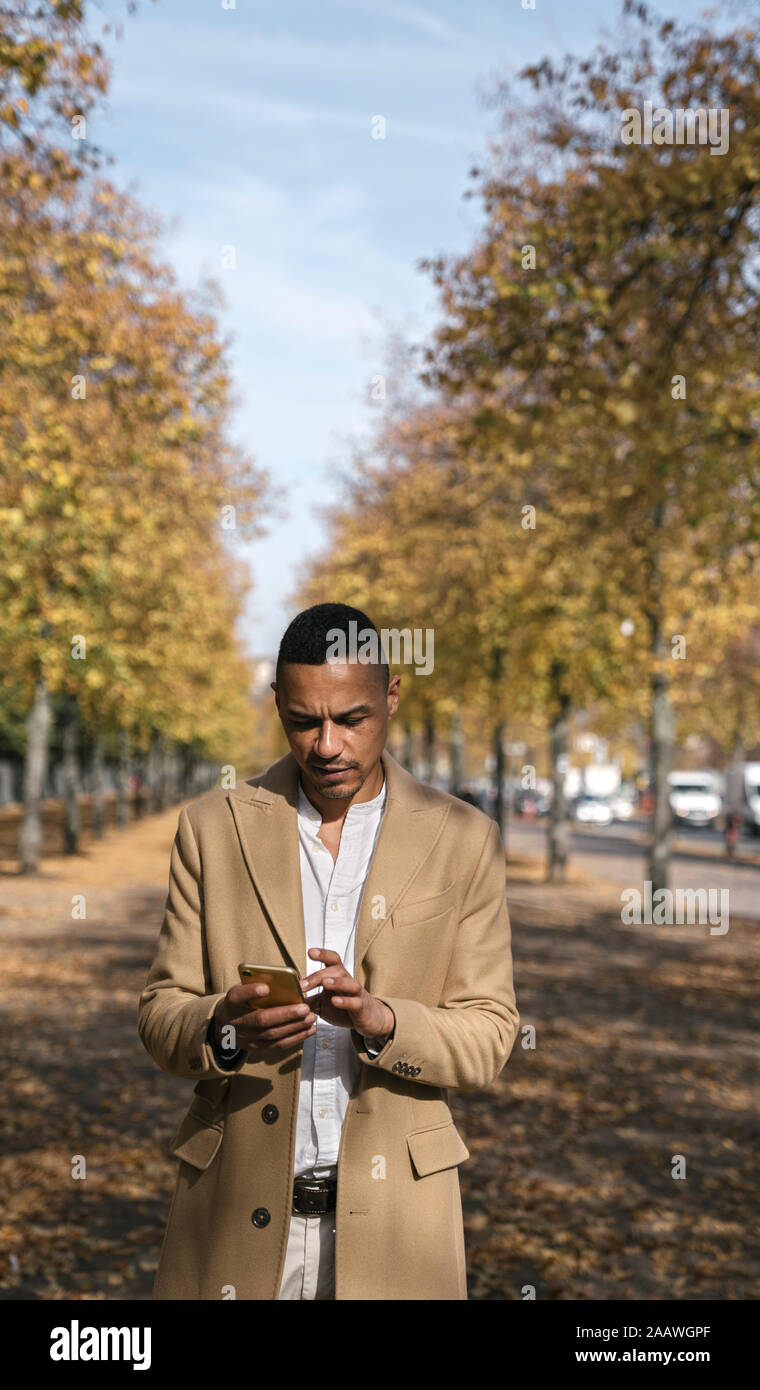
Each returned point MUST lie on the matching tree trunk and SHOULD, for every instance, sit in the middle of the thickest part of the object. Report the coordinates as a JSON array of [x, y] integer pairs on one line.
[[163, 773], [152, 776], [456, 754], [429, 748], [559, 824], [141, 793], [497, 737], [70, 747], [408, 753], [185, 772], [734, 803], [506, 799], [122, 781], [662, 727], [35, 772], [98, 789], [174, 775], [498, 762]]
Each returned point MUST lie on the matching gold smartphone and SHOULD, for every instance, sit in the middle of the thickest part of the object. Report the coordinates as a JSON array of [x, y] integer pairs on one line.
[[283, 980]]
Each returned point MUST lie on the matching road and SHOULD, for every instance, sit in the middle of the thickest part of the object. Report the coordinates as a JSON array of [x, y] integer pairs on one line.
[[617, 853]]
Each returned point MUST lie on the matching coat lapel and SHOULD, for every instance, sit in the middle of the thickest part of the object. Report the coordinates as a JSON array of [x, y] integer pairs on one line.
[[409, 828], [266, 816]]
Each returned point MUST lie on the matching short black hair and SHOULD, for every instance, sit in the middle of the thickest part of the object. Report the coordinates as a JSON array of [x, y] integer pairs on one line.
[[305, 640]]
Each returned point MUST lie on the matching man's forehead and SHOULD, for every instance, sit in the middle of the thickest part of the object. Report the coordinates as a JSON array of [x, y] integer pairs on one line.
[[336, 686]]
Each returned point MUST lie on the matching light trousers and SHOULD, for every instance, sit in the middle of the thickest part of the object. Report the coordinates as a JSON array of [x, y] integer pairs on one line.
[[310, 1258]]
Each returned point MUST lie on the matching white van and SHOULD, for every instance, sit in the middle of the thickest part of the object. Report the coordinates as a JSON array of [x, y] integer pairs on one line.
[[751, 796], [695, 798]]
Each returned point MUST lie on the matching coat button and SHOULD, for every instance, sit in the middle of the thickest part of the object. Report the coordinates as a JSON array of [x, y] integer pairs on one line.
[[260, 1217], [269, 1114]]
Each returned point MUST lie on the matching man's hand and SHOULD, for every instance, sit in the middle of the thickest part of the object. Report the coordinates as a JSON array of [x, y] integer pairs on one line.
[[261, 1027], [344, 1001]]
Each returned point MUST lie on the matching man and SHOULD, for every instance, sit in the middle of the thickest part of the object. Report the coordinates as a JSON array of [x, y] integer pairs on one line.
[[319, 1158]]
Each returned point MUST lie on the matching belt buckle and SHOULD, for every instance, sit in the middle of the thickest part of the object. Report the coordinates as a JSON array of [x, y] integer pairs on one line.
[[312, 1195]]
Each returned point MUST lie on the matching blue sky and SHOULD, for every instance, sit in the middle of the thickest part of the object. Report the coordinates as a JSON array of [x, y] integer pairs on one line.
[[252, 127]]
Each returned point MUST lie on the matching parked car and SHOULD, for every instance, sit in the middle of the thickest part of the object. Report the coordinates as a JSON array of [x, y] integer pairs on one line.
[[528, 802], [591, 810], [751, 796], [622, 807], [695, 798]]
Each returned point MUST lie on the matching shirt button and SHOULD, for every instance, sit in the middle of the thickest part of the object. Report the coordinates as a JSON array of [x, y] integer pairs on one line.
[[324, 1044], [334, 907], [322, 1114]]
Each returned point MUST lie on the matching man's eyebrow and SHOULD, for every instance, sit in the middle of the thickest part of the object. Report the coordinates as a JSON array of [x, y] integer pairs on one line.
[[344, 714]]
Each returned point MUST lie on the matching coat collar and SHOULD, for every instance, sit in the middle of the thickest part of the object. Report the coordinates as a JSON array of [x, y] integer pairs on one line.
[[265, 810]]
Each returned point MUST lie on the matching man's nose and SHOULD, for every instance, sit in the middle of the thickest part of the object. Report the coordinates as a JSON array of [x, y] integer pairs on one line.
[[329, 742]]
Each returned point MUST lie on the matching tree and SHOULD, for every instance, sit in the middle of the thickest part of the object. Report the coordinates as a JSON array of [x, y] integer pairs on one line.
[[51, 76], [433, 535], [609, 315], [115, 468]]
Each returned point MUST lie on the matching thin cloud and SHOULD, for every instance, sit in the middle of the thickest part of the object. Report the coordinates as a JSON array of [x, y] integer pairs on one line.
[[422, 20]]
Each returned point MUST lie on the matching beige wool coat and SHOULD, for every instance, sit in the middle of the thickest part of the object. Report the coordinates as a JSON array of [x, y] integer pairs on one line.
[[432, 941]]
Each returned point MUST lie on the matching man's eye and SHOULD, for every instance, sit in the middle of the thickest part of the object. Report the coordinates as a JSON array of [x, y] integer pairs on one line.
[[351, 722]]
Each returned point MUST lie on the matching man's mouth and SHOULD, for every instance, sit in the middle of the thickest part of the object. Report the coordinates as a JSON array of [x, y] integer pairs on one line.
[[332, 774]]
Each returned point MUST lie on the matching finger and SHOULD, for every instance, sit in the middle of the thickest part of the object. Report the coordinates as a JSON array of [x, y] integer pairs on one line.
[[263, 1037], [321, 953], [317, 978], [278, 1014], [241, 996], [297, 1038], [286, 1029], [261, 1044], [345, 983], [345, 1001]]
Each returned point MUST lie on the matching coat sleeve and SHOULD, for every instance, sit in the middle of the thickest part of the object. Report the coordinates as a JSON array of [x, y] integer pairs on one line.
[[175, 1007], [465, 1041]]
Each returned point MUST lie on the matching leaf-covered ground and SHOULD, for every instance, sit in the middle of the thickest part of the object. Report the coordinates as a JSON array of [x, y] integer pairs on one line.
[[645, 1049]]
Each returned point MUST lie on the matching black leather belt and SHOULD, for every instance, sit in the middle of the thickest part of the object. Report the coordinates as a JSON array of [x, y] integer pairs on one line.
[[312, 1196]]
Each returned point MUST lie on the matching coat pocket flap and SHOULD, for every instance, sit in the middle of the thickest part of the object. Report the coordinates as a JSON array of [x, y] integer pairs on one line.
[[425, 909], [437, 1147], [196, 1141]]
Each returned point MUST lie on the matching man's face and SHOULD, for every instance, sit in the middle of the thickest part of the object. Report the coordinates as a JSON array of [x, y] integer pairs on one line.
[[335, 717]]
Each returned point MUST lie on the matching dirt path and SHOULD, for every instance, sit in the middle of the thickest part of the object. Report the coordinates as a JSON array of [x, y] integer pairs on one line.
[[643, 1051], [78, 1079], [646, 1048]]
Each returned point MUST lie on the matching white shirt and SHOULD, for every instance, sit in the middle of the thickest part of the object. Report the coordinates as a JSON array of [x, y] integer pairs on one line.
[[332, 893]]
